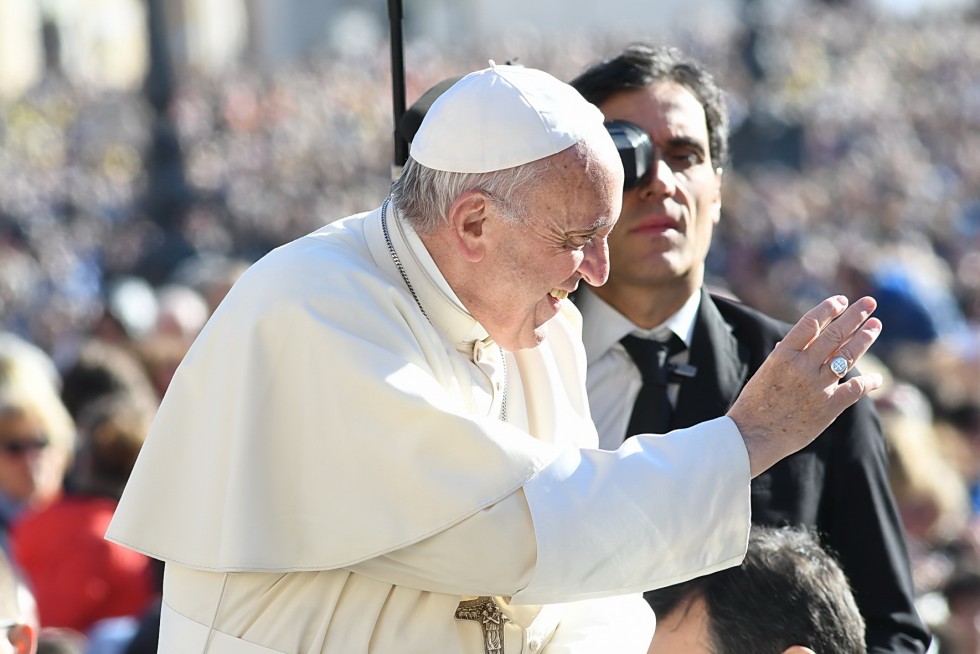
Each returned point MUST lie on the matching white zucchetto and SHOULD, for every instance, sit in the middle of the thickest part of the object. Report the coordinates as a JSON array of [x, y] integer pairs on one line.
[[501, 117]]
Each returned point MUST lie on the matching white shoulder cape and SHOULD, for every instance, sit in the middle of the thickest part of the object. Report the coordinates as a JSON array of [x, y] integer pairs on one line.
[[299, 432]]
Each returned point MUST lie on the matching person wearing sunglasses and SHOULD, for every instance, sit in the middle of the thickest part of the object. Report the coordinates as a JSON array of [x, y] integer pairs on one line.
[[37, 439]]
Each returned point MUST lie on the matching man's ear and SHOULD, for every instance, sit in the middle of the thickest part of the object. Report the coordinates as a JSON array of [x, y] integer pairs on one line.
[[798, 649], [716, 202], [24, 638], [467, 217]]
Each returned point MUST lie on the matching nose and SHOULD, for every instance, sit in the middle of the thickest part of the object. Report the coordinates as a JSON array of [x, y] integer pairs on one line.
[[659, 181], [595, 266]]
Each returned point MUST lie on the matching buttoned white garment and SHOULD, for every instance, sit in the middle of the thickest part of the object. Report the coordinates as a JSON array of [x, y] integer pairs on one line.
[[614, 380], [328, 473]]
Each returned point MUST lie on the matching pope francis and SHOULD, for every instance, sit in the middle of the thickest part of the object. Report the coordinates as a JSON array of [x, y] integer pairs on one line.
[[381, 440]]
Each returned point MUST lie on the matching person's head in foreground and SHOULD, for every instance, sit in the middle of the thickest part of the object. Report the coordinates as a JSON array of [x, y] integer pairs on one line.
[[789, 596], [516, 210]]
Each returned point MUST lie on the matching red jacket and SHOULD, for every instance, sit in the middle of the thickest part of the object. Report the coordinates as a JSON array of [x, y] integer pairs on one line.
[[77, 576]]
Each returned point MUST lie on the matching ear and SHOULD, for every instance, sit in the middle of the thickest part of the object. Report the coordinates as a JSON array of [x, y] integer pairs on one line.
[[24, 638], [716, 201], [798, 649], [467, 217]]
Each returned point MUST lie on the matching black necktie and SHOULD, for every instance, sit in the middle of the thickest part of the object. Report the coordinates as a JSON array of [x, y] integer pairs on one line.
[[651, 412]]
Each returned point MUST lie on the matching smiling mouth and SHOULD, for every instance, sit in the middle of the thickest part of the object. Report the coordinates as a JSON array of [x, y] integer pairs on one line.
[[558, 294]]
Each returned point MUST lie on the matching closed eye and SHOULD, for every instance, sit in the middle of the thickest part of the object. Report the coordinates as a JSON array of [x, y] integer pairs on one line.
[[581, 242]]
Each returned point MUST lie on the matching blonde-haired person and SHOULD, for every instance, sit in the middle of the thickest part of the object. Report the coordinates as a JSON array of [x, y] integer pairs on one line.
[[80, 579], [37, 439], [932, 496]]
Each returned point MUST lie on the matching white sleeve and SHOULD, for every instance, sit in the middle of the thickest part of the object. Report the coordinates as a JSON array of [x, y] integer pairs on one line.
[[585, 626], [657, 511], [595, 523]]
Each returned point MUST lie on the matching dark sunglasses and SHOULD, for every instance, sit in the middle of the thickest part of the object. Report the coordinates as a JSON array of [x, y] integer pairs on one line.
[[21, 447]]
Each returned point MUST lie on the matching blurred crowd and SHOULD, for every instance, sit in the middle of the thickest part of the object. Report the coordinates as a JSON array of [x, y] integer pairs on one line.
[[856, 169]]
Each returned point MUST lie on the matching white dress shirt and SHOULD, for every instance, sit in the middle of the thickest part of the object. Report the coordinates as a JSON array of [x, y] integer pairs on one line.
[[613, 380]]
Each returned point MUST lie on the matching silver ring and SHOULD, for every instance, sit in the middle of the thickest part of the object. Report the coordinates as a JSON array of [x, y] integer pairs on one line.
[[839, 365]]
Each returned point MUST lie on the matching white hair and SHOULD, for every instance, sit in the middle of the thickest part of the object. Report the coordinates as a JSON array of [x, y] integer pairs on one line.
[[423, 195]]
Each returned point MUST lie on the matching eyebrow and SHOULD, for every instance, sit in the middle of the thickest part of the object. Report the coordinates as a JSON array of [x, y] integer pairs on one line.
[[598, 225], [682, 141]]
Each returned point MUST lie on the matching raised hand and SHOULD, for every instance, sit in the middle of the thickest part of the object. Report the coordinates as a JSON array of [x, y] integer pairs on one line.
[[795, 394]]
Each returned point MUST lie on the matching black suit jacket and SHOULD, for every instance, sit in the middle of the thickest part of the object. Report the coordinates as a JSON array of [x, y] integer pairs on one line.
[[837, 486]]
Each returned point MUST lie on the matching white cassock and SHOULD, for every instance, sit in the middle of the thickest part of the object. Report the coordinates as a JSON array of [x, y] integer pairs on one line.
[[329, 472]]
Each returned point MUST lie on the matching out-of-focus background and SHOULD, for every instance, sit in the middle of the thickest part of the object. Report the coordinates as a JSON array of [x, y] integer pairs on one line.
[[150, 150]]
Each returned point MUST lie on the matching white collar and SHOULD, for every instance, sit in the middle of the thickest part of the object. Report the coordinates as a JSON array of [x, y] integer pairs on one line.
[[604, 326], [442, 306]]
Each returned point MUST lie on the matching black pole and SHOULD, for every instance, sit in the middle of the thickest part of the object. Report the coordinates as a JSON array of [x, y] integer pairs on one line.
[[168, 194], [397, 82]]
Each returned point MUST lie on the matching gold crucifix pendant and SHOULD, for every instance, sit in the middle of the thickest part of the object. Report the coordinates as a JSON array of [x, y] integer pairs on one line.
[[485, 611]]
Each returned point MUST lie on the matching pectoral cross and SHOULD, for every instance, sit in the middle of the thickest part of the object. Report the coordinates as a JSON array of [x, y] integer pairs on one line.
[[485, 611]]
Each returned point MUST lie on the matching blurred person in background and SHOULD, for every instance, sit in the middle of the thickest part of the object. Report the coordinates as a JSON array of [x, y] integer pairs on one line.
[[130, 311], [959, 426], [789, 596], [837, 486], [77, 576], [15, 347], [930, 492], [961, 631], [913, 287], [37, 440], [101, 368], [182, 312]]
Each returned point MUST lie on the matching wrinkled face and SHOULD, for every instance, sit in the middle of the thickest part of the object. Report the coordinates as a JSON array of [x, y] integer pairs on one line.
[[666, 224], [562, 242], [30, 468], [683, 631]]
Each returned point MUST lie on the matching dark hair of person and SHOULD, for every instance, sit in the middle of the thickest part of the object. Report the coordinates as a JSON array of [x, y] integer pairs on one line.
[[101, 369], [788, 591], [639, 66], [962, 587], [113, 430]]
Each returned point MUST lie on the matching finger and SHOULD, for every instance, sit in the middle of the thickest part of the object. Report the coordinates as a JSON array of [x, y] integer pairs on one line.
[[813, 323], [852, 390], [857, 345], [841, 330]]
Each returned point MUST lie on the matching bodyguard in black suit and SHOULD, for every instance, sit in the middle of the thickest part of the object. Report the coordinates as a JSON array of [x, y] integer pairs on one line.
[[838, 485]]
